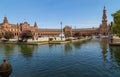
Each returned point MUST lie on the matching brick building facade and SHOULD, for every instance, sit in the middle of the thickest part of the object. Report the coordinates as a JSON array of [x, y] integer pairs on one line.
[[67, 30], [16, 29]]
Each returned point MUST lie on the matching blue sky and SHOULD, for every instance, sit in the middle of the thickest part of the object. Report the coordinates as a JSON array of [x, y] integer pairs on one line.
[[49, 13]]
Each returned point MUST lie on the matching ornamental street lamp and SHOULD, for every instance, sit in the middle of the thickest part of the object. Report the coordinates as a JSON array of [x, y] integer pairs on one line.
[[61, 30], [111, 32]]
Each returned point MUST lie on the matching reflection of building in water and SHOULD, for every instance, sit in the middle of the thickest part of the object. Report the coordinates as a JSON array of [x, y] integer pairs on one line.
[[103, 44]]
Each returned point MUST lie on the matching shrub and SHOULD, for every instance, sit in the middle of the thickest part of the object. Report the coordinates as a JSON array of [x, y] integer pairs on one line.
[[25, 35], [50, 39], [8, 35]]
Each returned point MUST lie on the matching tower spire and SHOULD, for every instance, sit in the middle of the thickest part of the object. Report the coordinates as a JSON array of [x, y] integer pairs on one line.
[[104, 8], [104, 17], [5, 20], [104, 29], [35, 25]]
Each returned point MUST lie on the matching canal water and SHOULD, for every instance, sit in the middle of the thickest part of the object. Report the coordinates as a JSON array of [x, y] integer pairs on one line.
[[93, 58]]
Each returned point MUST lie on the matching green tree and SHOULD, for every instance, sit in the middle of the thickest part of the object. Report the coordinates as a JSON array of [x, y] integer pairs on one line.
[[77, 35], [67, 34], [26, 34], [0, 35], [116, 25], [8, 35]]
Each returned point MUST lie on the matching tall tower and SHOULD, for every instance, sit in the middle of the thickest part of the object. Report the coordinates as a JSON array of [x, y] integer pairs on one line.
[[5, 20], [104, 17], [35, 25], [104, 28]]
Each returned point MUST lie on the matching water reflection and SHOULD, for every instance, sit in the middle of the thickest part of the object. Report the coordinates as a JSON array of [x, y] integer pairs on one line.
[[51, 45], [8, 49], [77, 44], [68, 47], [27, 50], [103, 44], [86, 62], [113, 55], [115, 51]]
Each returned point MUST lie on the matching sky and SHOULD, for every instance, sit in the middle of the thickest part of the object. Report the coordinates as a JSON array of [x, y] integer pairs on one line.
[[49, 13]]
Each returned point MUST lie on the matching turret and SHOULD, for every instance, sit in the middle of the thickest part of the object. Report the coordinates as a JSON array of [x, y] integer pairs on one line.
[[5, 20], [35, 25], [104, 29], [104, 17]]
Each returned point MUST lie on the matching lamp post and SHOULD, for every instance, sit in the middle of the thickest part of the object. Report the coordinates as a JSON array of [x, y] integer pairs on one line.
[[111, 32], [74, 31], [61, 30]]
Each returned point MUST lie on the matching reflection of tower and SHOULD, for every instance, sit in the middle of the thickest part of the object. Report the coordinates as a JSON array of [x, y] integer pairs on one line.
[[103, 45], [104, 27]]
